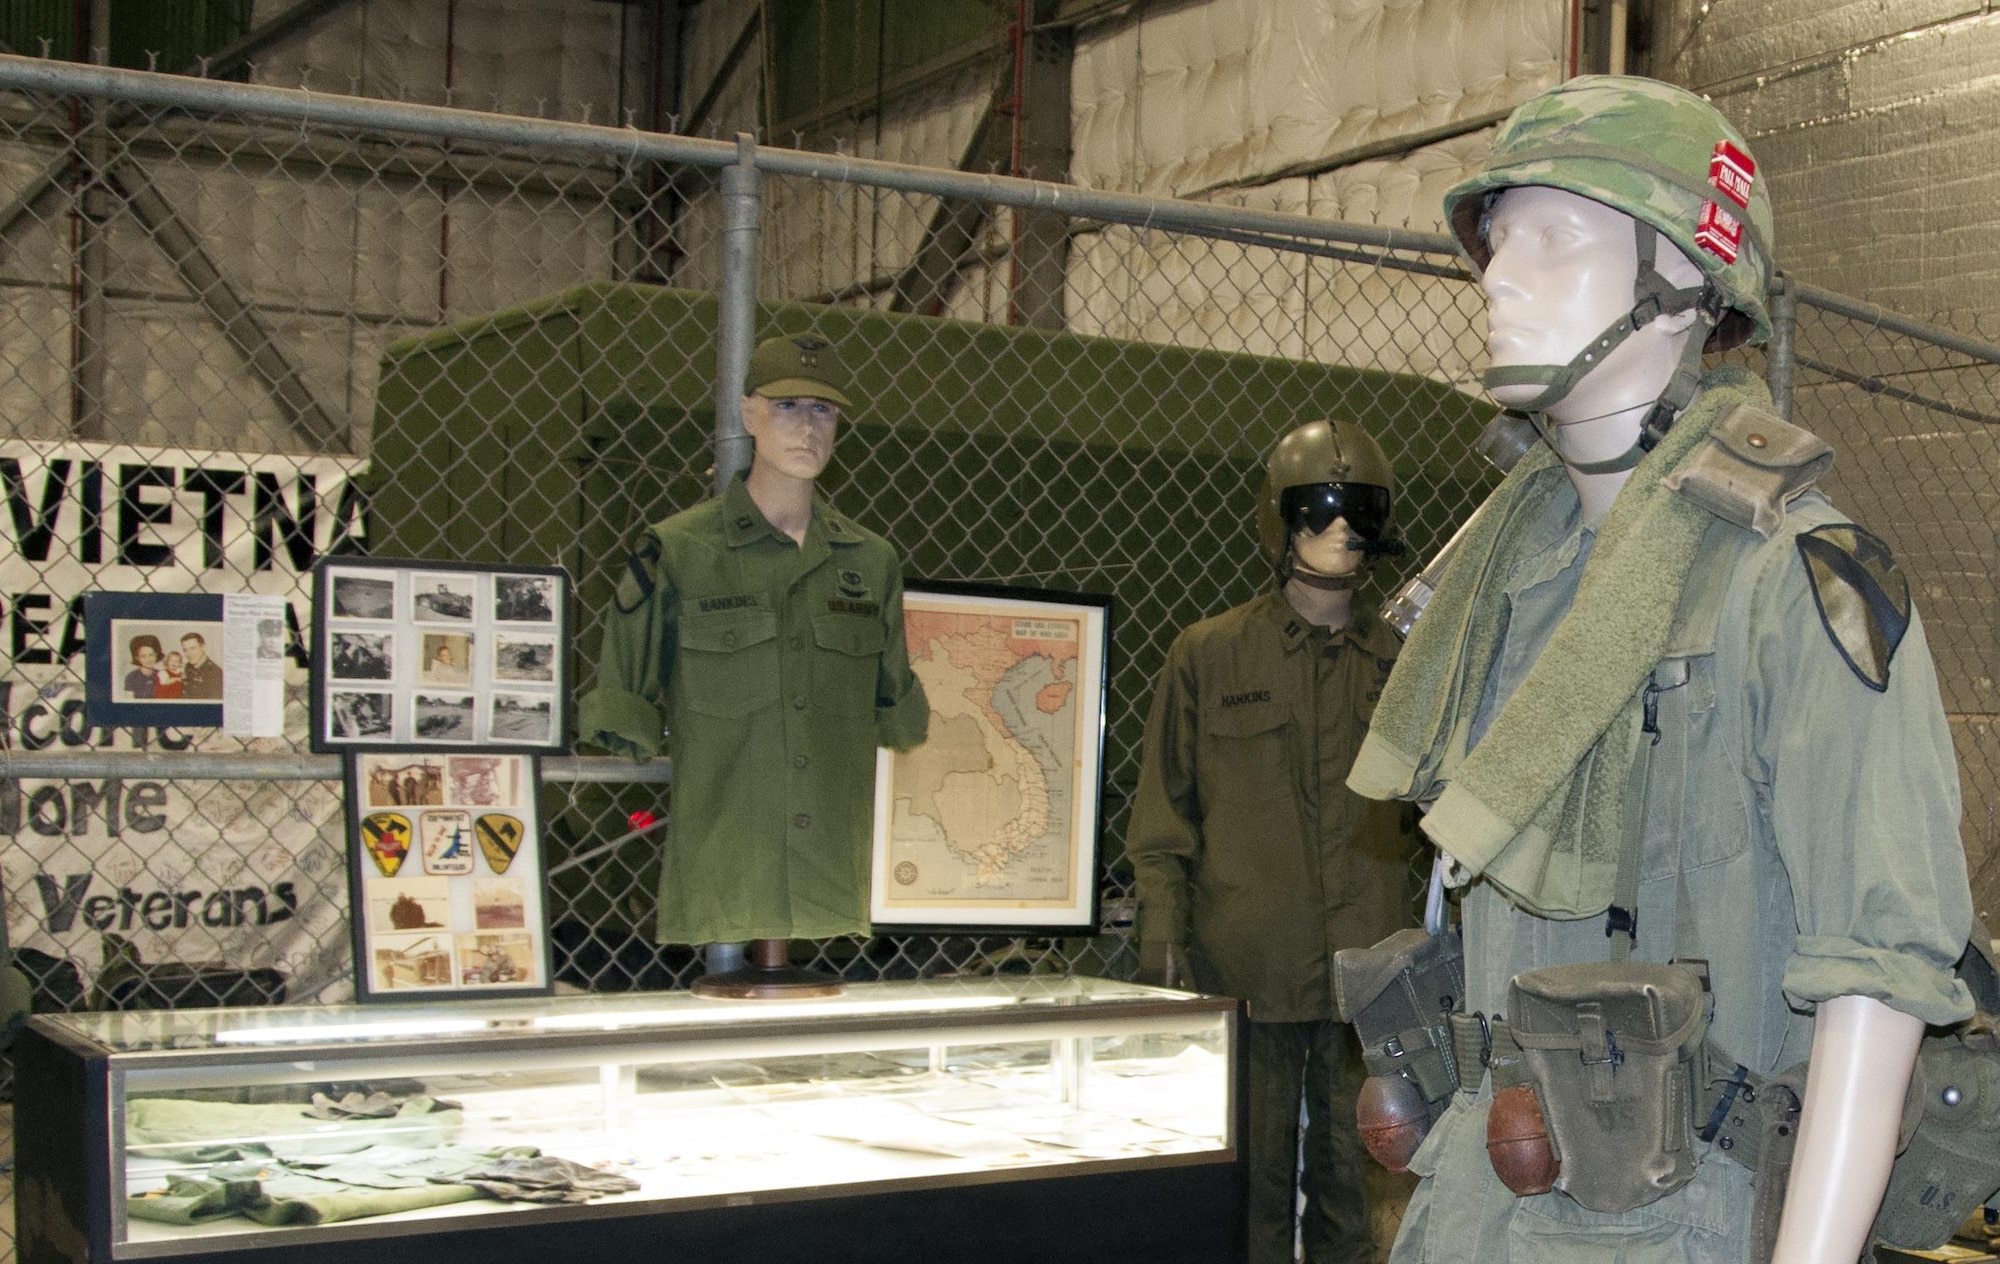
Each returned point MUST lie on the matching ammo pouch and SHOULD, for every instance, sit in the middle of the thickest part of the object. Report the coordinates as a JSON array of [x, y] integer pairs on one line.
[[1399, 996], [1610, 1050], [1952, 1162]]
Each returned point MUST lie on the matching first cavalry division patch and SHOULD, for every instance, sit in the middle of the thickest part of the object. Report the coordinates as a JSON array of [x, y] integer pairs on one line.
[[499, 838], [387, 837], [1863, 599]]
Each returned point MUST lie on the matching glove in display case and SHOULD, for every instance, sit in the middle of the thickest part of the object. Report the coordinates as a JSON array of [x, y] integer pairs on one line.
[[993, 1119]]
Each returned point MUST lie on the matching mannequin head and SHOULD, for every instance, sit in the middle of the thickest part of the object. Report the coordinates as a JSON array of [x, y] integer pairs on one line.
[[793, 391], [1324, 507], [1597, 158], [1562, 269], [794, 435]]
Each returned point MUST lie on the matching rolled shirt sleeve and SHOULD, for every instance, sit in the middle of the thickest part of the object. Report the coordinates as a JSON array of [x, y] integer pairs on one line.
[[1862, 791], [902, 712], [625, 713]]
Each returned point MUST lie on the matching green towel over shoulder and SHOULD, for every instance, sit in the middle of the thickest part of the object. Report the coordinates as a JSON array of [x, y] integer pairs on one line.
[[1538, 807]]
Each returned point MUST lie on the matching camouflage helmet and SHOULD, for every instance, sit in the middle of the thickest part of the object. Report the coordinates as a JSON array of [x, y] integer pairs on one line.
[[1656, 152], [1319, 452]]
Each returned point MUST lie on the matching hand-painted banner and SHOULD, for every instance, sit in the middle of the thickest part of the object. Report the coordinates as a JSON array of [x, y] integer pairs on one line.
[[245, 873]]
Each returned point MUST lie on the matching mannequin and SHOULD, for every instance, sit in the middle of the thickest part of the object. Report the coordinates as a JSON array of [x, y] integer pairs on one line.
[[761, 633], [1628, 702], [1562, 268], [1253, 860]]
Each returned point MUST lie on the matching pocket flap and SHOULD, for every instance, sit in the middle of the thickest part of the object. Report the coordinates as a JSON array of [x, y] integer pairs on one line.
[[725, 631], [849, 634], [1657, 1010]]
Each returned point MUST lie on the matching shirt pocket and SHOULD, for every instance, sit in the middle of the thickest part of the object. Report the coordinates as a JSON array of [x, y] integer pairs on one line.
[[844, 668], [1695, 814], [1244, 755], [729, 661]]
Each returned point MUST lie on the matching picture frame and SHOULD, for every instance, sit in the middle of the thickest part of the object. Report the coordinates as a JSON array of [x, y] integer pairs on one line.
[[935, 867], [417, 655], [446, 890], [121, 628]]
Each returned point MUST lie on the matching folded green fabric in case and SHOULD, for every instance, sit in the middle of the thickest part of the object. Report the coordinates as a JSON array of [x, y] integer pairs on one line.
[[305, 1200], [204, 1132], [190, 1200], [398, 1167]]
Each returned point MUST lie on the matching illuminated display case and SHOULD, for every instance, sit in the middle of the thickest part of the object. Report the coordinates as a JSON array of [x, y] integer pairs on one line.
[[994, 1119]]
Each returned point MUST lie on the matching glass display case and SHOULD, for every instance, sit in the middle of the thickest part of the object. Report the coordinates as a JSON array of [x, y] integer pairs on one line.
[[594, 1124]]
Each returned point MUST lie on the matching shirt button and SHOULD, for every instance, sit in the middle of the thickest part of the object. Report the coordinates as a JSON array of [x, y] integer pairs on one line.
[[802, 820], [798, 702], [729, 638], [798, 642], [798, 761]]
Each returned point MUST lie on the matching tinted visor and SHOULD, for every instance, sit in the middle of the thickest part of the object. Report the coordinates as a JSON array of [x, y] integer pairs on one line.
[[1313, 507]]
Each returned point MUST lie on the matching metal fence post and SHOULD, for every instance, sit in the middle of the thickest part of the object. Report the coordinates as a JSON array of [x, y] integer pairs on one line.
[[1779, 358], [736, 315]]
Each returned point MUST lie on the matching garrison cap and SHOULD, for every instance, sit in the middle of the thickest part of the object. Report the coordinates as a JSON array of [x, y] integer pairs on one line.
[[797, 367]]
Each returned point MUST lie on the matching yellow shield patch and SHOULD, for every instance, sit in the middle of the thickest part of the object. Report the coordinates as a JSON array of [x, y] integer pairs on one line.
[[499, 839], [387, 837]]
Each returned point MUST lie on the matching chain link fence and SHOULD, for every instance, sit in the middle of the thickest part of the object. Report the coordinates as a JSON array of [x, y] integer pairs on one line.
[[232, 316]]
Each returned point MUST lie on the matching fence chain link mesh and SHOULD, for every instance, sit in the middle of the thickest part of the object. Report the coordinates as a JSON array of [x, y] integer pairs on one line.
[[511, 350]]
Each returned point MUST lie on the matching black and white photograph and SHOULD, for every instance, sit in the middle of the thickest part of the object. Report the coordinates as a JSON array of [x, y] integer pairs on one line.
[[444, 717], [363, 656], [442, 597], [363, 597], [521, 717], [524, 599], [524, 658], [270, 639], [362, 715]]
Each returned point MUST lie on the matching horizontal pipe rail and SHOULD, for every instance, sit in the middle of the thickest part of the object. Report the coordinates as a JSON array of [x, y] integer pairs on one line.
[[1882, 318], [231, 766], [299, 105]]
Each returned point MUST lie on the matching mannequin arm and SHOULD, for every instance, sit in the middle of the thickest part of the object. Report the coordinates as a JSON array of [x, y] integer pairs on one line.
[[1862, 1056]]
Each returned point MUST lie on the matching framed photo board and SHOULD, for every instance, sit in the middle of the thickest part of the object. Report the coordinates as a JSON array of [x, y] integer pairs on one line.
[[427, 655], [445, 876], [994, 824]]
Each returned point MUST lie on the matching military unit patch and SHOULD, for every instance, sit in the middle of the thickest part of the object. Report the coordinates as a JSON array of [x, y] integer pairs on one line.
[[635, 588], [852, 585], [1863, 599], [499, 839], [387, 837]]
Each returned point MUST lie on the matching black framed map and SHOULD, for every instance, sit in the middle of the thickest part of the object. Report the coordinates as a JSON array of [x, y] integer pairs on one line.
[[995, 822]]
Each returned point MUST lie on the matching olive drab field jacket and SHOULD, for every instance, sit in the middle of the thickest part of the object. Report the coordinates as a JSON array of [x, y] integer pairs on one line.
[[771, 671], [1250, 851]]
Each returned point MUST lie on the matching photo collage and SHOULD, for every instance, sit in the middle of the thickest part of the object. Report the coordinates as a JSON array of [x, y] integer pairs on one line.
[[439, 656], [448, 896]]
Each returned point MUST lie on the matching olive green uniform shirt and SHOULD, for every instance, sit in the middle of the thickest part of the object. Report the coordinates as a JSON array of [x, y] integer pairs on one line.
[[1811, 821], [1249, 849], [773, 671]]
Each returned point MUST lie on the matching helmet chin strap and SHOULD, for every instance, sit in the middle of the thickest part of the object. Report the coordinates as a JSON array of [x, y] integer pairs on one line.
[[1325, 583], [1655, 296]]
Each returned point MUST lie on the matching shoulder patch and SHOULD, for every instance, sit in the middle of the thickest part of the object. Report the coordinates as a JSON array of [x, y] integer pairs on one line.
[[636, 586], [1863, 599]]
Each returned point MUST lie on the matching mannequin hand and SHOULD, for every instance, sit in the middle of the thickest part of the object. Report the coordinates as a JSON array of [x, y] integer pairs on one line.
[[1164, 965]]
